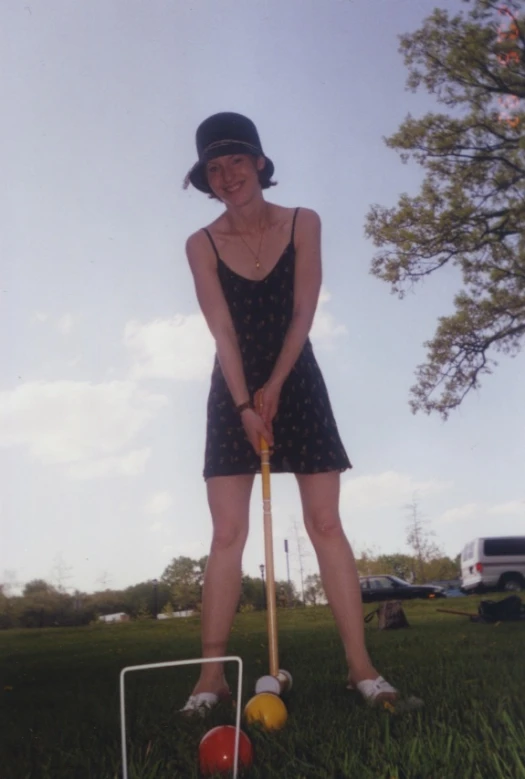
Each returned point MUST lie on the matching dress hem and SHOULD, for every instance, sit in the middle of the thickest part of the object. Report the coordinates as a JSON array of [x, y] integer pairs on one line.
[[243, 471]]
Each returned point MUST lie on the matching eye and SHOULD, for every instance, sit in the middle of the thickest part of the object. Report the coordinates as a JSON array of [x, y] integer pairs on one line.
[[237, 160]]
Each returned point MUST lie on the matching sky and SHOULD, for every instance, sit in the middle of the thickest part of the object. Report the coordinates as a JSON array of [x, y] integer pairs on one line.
[[105, 359]]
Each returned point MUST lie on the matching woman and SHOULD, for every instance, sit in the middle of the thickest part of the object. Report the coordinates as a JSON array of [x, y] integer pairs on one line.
[[257, 274]]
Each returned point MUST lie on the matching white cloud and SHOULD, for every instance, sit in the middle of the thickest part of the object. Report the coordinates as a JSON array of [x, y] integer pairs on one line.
[[195, 549], [460, 513], [79, 423], [514, 507], [182, 347], [156, 527], [325, 330], [177, 348], [481, 511], [131, 464], [65, 324], [159, 503], [387, 489]]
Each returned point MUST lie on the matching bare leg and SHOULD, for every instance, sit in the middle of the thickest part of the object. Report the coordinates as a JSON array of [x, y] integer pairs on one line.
[[320, 500], [229, 501]]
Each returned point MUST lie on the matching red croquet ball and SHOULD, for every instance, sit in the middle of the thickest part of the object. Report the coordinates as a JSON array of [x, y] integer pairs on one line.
[[217, 750]]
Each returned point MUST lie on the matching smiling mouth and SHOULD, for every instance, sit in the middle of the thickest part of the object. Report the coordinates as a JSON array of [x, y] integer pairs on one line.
[[231, 190]]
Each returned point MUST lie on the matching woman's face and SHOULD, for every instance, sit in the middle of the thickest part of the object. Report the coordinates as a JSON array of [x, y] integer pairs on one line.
[[234, 178]]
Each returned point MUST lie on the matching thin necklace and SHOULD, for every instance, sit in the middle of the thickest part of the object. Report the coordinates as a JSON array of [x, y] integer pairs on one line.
[[257, 262]]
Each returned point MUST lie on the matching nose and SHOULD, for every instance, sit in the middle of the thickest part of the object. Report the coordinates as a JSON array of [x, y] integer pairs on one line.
[[227, 175]]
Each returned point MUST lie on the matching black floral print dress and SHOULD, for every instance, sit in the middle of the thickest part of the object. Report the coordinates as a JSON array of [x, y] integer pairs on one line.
[[305, 432]]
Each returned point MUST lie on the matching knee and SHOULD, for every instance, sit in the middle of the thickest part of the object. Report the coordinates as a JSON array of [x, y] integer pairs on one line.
[[228, 535], [324, 524]]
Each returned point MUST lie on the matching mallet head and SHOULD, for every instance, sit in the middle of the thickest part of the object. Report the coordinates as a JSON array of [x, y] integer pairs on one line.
[[282, 683]]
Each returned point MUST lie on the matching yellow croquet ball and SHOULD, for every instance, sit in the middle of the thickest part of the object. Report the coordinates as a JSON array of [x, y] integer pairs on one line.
[[266, 709]]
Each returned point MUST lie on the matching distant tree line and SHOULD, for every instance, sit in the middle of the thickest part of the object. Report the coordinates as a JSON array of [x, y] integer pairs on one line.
[[410, 568], [179, 588]]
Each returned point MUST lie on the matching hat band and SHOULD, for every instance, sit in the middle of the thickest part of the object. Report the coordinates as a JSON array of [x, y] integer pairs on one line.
[[228, 142]]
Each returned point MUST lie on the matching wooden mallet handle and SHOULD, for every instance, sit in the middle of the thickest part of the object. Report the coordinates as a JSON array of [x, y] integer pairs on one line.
[[460, 613], [268, 551]]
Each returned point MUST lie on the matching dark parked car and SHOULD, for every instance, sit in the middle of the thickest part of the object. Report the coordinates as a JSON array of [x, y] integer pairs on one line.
[[387, 587]]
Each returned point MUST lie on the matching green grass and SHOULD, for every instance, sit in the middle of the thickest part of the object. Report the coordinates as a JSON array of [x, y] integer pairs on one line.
[[60, 720]]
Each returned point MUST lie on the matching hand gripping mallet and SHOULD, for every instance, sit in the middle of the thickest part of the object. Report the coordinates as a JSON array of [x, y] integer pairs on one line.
[[277, 681]]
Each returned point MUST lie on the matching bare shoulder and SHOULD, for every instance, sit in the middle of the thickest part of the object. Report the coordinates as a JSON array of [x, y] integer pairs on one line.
[[196, 241], [308, 218], [308, 227], [199, 241], [199, 249]]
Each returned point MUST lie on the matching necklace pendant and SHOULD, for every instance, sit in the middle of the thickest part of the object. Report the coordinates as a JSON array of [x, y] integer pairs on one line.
[[257, 264]]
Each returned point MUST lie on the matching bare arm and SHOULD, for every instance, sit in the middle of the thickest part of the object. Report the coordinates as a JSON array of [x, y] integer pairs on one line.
[[308, 277], [215, 310]]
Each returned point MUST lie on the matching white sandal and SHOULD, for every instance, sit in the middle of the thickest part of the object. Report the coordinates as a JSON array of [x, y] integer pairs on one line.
[[200, 703], [374, 690], [377, 691], [203, 702]]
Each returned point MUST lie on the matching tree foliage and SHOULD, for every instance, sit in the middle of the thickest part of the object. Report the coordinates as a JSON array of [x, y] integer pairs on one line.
[[184, 578], [401, 565], [36, 586], [313, 590], [252, 593], [470, 211], [419, 538], [286, 594], [409, 567], [42, 605]]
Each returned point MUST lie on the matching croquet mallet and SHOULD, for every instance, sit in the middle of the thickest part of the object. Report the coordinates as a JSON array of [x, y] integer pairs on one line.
[[278, 681]]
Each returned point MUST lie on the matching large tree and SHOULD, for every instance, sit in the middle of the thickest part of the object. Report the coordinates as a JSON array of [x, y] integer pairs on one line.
[[470, 211], [252, 592], [419, 538], [184, 578], [38, 585], [313, 589], [400, 565]]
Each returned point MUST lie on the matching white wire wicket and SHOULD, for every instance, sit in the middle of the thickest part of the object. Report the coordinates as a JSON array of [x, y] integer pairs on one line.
[[171, 664]]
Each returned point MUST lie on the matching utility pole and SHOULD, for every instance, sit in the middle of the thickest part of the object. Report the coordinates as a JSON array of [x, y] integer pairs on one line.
[[62, 573], [261, 568], [104, 579], [155, 598], [288, 570], [300, 552]]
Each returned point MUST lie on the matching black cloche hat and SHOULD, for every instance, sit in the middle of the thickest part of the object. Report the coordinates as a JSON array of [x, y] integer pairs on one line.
[[224, 133]]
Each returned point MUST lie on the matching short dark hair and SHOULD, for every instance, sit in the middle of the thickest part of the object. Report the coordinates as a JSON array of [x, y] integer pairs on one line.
[[264, 179]]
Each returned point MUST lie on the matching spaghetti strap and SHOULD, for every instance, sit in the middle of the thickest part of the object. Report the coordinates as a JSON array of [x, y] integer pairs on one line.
[[293, 227], [212, 243]]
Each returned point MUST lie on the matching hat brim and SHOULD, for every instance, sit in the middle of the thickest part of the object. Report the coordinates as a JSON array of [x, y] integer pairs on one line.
[[197, 175]]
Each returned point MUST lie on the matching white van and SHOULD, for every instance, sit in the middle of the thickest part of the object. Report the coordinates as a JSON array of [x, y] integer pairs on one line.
[[493, 564]]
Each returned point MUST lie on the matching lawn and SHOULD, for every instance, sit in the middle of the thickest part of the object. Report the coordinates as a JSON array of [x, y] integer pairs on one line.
[[60, 707]]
